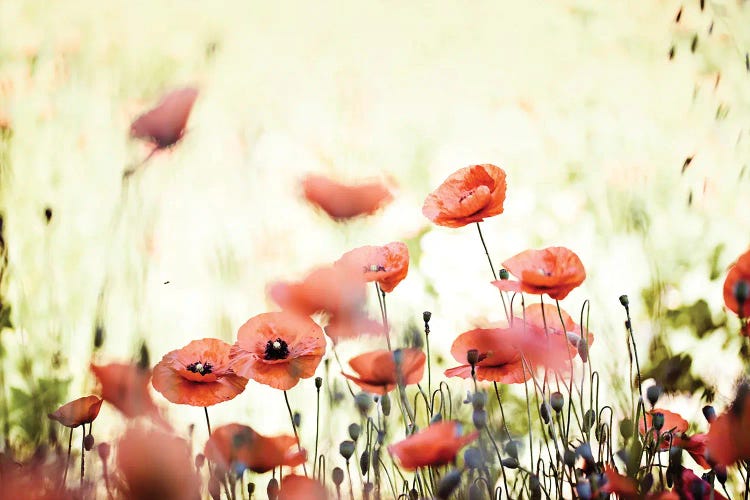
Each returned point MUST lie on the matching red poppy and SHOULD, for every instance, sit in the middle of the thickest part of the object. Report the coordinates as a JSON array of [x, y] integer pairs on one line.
[[198, 374], [498, 359], [37, 479], [691, 487], [554, 271], [387, 265], [673, 423], [626, 488], [341, 201], [468, 195], [294, 487], [156, 464], [542, 349], [165, 124], [376, 370], [737, 283], [80, 411], [551, 317], [695, 445], [125, 386], [278, 349], [238, 447], [438, 444], [728, 439]]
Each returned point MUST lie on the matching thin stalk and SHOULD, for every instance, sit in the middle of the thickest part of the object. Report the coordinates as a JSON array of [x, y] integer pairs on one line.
[[83, 452], [294, 428], [208, 423], [492, 268], [67, 462], [351, 486], [317, 428]]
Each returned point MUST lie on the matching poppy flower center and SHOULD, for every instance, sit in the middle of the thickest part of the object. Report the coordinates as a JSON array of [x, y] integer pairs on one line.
[[200, 367], [276, 349], [374, 268]]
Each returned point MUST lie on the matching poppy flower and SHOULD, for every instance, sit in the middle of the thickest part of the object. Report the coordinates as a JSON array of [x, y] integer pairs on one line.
[[498, 359], [238, 447], [551, 317], [625, 487], [728, 439], [542, 349], [156, 464], [198, 374], [695, 445], [387, 265], [377, 373], [80, 411], [673, 423], [294, 487], [468, 195], [737, 285], [341, 201], [438, 444], [554, 271], [165, 124], [36, 479], [691, 487], [125, 386], [277, 349]]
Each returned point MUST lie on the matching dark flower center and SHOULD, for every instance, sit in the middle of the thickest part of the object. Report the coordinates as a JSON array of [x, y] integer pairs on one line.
[[200, 367], [373, 268], [276, 349]]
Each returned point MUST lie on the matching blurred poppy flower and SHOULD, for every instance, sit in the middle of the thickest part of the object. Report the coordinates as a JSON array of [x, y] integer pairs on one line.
[[542, 349], [623, 486], [376, 370], [695, 445], [165, 124], [125, 386], [36, 479], [554, 271], [336, 291], [278, 349], [468, 195], [737, 286], [691, 487], [80, 411], [438, 444], [198, 374], [238, 447], [539, 315], [676, 426], [341, 201], [498, 358], [728, 440], [673, 423], [294, 487], [387, 265], [156, 464]]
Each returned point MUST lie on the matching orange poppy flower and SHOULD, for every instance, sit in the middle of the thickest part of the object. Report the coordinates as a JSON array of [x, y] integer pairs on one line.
[[156, 464], [691, 487], [550, 349], [377, 369], [278, 349], [728, 439], [554, 271], [165, 124], [499, 360], [37, 479], [625, 487], [468, 195], [125, 386], [341, 201], [198, 374], [238, 447], [695, 445], [673, 423], [294, 487], [438, 444], [551, 317], [387, 265], [80, 411], [738, 278]]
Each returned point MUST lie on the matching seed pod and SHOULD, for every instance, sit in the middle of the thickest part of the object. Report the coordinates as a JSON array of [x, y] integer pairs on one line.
[[448, 484], [250, 489], [88, 442], [363, 402], [385, 404], [473, 458], [503, 274], [557, 401], [318, 382], [472, 356], [272, 489], [346, 449], [589, 419], [653, 393], [337, 475], [479, 417], [544, 412], [510, 463], [364, 461], [354, 431], [426, 316], [624, 300]]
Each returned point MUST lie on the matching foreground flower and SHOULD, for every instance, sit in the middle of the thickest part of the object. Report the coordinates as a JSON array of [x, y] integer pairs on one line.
[[737, 286], [278, 349], [125, 386], [294, 487], [341, 201], [468, 195], [156, 464], [728, 440], [554, 271], [673, 434], [165, 124], [37, 479], [238, 447], [691, 487], [549, 315], [376, 370], [498, 359], [438, 444], [198, 374], [387, 265], [626, 488], [80, 411]]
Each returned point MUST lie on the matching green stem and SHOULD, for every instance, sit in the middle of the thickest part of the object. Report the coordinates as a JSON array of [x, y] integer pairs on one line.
[[294, 428]]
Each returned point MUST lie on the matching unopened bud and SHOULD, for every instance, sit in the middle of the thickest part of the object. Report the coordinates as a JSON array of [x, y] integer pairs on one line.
[[557, 401], [589, 419], [413, 494], [583, 488], [544, 412], [510, 463], [479, 417], [657, 420], [569, 457], [511, 448], [385, 404], [364, 461], [503, 274], [318, 382], [653, 393], [583, 350], [214, 487], [346, 448], [478, 400], [438, 417], [647, 482], [272, 489], [426, 316], [624, 300], [337, 475], [354, 431], [88, 442], [710, 413], [363, 402], [448, 484], [297, 419], [584, 451], [626, 428], [475, 492], [473, 458], [721, 473]]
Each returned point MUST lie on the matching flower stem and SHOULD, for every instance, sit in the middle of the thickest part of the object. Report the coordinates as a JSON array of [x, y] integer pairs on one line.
[[384, 314], [294, 428], [492, 267], [208, 423], [317, 428], [83, 451], [67, 462]]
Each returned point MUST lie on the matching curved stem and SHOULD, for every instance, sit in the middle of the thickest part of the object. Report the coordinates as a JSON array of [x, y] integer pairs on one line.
[[294, 428]]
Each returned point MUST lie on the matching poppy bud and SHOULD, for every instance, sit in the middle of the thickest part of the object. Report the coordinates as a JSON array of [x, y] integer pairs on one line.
[[721, 473], [510, 463], [448, 484], [381, 437], [318, 382], [472, 356], [475, 492], [653, 393], [272, 490], [426, 316], [363, 402], [354, 431], [584, 451], [103, 450], [297, 419], [504, 274], [544, 412], [569, 457], [438, 417], [346, 448], [98, 336], [364, 461], [144, 359], [557, 401], [583, 488], [624, 300], [250, 489], [88, 442], [741, 291], [413, 494], [626, 428], [214, 487], [647, 482], [473, 458], [338, 476], [511, 448], [589, 419], [583, 350], [200, 459], [385, 404], [478, 400], [710, 413], [657, 420], [479, 417]]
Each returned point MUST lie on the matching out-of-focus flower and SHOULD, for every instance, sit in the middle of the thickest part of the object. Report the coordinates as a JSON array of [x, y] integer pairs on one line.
[[165, 124], [387, 265], [125, 386], [198, 374], [539, 315], [468, 195], [37, 479], [238, 447], [737, 286], [278, 349], [554, 271], [728, 439], [626, 488], [673, 424], [438, 444], [80, 411], [156, 464], [294, 487], [341, 201], [691, 487], [498, 358], [376, 370]]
